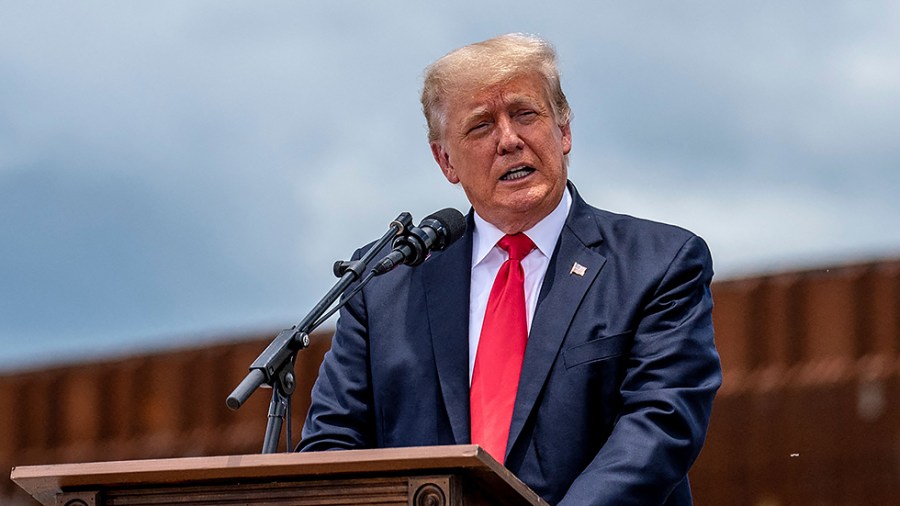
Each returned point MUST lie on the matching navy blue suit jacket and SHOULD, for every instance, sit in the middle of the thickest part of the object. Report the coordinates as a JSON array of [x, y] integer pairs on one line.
[[618, 378]]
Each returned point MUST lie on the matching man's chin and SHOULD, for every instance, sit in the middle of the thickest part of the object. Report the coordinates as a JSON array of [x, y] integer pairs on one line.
[[517, 216]]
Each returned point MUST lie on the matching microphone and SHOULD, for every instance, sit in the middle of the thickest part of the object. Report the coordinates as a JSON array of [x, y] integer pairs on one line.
[[434, 233]]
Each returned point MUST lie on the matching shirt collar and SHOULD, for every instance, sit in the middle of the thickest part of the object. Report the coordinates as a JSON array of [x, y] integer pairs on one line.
[[544, 235]]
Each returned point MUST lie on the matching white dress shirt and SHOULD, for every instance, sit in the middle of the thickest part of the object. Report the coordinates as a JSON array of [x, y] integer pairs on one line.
[[487, 258]]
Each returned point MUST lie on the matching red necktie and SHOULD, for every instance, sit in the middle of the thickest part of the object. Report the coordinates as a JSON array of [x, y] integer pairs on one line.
[[501, 348]]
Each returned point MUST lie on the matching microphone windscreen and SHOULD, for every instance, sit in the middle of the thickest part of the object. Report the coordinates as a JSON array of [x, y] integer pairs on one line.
[[453, 222]]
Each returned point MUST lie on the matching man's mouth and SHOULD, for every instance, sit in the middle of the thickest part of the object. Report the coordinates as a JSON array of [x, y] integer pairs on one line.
[[517, 173]]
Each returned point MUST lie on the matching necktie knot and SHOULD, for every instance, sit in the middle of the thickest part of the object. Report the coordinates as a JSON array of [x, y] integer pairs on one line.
[[517, 245]]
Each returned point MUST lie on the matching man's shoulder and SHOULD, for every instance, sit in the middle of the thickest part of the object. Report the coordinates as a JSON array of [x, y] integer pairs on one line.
[[640, 245], [615, 226]]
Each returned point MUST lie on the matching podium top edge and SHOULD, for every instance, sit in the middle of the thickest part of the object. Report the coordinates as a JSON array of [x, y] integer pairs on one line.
[[44, 482]]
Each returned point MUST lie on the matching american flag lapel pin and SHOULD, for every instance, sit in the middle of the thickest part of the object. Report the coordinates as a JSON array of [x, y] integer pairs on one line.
[[578, 269]]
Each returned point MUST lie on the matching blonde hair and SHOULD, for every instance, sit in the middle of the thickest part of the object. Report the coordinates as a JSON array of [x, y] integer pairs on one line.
[[487, 63]]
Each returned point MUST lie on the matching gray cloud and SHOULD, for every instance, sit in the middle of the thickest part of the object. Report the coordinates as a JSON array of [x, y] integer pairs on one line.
[[189, 168]]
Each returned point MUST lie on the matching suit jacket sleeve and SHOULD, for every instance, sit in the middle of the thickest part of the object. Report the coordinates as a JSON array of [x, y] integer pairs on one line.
[[341, 414], [667, 393]]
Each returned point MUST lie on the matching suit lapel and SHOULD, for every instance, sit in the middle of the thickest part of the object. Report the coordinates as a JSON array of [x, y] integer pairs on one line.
[[447, 277], [561, 294]]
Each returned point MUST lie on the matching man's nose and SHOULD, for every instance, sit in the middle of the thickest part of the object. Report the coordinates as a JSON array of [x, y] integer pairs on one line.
[[509, 140]]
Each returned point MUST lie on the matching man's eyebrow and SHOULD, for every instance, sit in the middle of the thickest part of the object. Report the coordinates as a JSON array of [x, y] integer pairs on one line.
[[512, 101], [476, 114]]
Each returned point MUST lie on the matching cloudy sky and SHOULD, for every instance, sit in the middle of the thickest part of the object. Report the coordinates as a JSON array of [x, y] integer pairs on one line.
[[175, 171]]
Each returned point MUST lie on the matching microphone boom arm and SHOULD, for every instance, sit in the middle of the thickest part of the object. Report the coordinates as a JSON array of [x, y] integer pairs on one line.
[[274, 366]]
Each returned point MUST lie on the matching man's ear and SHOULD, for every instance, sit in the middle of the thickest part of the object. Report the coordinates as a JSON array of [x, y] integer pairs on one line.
[[566, 137], [443, 159]]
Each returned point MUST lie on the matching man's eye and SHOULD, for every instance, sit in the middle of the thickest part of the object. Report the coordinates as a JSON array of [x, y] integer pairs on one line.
[[478, 126]]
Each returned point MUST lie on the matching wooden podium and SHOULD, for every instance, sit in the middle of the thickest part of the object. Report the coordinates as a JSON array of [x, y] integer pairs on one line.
[[432, 476]]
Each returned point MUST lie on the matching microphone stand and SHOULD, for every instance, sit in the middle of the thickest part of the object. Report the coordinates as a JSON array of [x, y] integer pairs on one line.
[[275, 365]]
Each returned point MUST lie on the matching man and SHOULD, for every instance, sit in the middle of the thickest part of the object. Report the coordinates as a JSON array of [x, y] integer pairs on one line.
[[588, 345]]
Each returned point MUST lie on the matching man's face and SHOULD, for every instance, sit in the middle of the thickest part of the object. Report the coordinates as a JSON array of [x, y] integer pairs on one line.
[[503, 145]]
